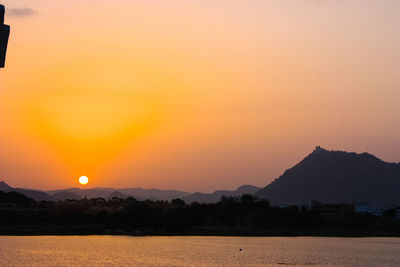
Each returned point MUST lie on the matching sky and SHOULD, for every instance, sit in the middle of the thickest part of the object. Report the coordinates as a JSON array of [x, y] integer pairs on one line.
[[193, 95]]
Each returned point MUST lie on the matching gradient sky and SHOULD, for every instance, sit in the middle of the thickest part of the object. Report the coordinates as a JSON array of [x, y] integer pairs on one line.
[[194, 95]]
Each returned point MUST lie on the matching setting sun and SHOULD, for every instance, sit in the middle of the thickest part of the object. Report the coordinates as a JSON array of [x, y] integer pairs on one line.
[[83, 180]]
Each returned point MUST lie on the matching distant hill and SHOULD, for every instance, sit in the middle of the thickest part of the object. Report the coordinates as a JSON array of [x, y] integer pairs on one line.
[[5, 187], [64, 195], [14, 198], [337, 177], [34, 194], [155, 194], [138, 193], [91, 193], [246, 189], [216, 196], [116, 194]]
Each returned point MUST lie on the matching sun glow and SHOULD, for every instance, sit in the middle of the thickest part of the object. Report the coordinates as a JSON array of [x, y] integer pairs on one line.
[[83, 180]]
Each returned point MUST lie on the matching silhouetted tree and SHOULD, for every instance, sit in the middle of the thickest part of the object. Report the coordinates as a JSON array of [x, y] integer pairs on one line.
[[247, 199], [178, 202]]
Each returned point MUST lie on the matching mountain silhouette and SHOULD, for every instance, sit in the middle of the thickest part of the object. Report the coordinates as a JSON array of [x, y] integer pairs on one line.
[[116, 194], [156, 194], [138, 193], [216, 196], [337, 177], [64, 195], [5, 187], [34, 194], [153, 194], [81, 193]]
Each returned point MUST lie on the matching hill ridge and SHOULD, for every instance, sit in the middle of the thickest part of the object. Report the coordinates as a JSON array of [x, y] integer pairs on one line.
[[337, 177]]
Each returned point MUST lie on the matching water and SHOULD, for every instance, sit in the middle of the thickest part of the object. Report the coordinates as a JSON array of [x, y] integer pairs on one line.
[[197, 251]]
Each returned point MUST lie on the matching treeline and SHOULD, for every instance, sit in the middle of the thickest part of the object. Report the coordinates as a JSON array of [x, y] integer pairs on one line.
[[242, 215]]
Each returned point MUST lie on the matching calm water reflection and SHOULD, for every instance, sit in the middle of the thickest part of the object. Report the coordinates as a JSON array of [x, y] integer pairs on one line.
[[198, 251]]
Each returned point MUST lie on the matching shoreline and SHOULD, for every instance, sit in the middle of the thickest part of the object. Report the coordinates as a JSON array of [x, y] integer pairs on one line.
[[101, 231]]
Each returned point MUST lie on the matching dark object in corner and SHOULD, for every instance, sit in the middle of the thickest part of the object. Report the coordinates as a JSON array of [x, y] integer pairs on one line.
[[4, 33]]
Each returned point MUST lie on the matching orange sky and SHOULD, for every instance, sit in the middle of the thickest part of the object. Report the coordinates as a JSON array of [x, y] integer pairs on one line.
[[193, 95]]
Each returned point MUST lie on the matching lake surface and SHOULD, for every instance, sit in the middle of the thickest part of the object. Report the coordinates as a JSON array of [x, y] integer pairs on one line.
[[197, 251]]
